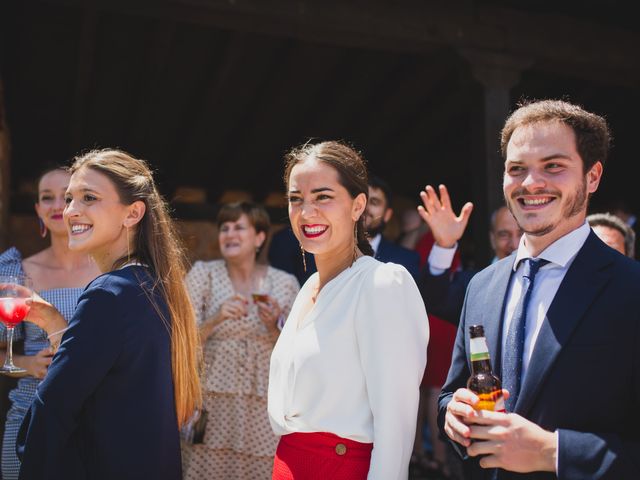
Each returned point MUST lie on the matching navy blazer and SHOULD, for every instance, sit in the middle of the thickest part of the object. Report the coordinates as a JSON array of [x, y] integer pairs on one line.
[[106, 408], [444, 293], [583, 379], [390, 252]]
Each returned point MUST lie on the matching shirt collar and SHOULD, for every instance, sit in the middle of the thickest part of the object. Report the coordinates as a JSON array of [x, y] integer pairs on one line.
[[375, 242], [560, 252]]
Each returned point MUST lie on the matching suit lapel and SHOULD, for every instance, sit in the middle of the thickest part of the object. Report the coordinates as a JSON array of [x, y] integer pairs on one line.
[[492, 309], [580, 286]]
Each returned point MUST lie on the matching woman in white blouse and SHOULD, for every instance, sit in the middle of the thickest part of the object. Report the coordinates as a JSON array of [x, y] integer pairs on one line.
[[346, 370]]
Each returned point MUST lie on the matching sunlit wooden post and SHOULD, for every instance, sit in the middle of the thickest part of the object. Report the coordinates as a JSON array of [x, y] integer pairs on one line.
[[5, 152], [497, 74]]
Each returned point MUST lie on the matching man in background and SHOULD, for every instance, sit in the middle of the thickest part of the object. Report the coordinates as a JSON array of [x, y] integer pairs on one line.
[[614, 232], [378, 213], [504, 234]]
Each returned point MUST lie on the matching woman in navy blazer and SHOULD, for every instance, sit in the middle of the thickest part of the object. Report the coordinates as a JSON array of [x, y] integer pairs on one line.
[[125, 375]]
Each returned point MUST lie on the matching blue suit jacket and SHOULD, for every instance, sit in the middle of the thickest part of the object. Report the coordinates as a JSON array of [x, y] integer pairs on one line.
[[390, 252], [444, 293], [106, 408], [584, 375]]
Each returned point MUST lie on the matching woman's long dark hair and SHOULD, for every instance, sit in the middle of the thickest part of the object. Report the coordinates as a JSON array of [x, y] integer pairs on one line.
[[352, 174], [156, 244]]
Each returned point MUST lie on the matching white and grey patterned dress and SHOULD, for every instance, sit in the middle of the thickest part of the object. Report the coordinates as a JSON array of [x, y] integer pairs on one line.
[[35, 339]]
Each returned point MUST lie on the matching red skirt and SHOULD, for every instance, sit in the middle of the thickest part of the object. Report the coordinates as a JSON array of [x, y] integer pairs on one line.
[[442, 337], [319, 456]]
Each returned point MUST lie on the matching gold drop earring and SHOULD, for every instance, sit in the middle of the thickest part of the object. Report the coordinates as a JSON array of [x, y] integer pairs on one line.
[[355, 243], [304, 259], [128, 246]]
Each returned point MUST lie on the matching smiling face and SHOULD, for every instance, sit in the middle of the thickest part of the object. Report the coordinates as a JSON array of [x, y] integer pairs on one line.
[[96, 219], [544, 184], [239, 240], [321, 210], [51, 191]]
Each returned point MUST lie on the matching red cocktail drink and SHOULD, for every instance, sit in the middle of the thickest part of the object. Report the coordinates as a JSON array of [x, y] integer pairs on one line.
[[13, 310], [15, 290]]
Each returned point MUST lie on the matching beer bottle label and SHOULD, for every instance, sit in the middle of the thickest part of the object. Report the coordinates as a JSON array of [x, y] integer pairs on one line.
[[493, 401], [478, 349]]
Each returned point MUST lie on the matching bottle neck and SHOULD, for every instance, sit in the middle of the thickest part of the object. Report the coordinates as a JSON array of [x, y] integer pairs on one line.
[[481, 366], [480, 360]]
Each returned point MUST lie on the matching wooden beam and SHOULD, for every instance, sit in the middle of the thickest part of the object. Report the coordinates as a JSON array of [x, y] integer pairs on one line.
[[152, 94], [86, 53], [248, 116], [401, 109], [414, 26], [200, 122]]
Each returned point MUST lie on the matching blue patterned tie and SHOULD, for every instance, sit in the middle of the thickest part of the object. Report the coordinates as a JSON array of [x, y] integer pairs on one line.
[[514, 345]]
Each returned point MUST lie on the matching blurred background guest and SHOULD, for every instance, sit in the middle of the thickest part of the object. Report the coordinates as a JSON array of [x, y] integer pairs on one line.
[[376, 217], [412, 229], [445, 230], [504, 233], [614, 232], [240, 307], [59, 276], [623, 211]]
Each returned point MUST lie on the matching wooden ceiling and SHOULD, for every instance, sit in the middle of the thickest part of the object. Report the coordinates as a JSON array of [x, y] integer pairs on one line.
[[213, 92]]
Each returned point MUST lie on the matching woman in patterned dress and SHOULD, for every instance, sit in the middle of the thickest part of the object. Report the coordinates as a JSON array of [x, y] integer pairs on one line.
[[59, 276], [238, 330]]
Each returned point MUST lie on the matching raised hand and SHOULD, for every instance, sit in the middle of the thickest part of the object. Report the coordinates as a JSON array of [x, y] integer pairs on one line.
[[447, 228]]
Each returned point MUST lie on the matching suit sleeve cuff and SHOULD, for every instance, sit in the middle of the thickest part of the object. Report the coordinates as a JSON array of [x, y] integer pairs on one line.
[[440, 259]]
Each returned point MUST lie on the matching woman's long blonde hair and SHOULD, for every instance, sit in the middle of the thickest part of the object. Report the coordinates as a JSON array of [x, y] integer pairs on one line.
[[156, 245]]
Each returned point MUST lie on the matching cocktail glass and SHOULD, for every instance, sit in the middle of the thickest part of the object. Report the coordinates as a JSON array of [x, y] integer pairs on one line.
[[15, 290]]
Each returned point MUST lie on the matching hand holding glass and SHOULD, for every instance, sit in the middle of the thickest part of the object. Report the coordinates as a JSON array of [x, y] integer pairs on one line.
[[262, 290], [15, 290]]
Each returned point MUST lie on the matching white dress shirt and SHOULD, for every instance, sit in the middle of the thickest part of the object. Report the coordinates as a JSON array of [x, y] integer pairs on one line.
[[560, 255], [441, 258], [375, 243], [352, 366]]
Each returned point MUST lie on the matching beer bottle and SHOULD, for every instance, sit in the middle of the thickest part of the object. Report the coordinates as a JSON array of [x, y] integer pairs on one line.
[[482, 381]]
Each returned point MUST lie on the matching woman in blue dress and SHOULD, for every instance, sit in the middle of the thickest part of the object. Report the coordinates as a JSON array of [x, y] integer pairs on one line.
[[59, 275], [125, 375]]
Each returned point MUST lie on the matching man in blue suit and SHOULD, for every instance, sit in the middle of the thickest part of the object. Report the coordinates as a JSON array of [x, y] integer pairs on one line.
[[376, 217], [565, 338]]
